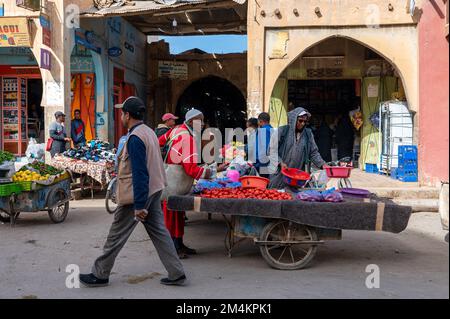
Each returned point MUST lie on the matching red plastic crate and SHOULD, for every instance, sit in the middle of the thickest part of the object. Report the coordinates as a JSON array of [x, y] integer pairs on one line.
[[338, 171]]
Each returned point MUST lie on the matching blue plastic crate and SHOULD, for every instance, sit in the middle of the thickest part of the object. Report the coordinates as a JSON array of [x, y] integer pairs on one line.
[[405, 175], [371, 168], [407, 152], [407, 164]]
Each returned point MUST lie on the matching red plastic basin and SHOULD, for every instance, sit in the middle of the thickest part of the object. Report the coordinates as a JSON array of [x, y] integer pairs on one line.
[[337, 171], [254, 182]]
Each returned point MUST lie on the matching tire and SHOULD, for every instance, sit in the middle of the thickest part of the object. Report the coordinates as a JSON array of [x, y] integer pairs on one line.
[[283, 230], [110, 201], [59, 213]]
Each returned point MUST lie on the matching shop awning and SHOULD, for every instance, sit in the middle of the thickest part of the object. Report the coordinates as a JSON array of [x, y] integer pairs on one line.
[[177, 17]]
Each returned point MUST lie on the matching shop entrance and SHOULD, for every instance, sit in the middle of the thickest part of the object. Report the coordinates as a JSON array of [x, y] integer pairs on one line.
[[221, 102], [329, 102], [21, 113], [344, 84]]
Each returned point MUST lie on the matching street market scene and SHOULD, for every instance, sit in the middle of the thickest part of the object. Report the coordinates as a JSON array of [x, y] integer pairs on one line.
[[241, 149]]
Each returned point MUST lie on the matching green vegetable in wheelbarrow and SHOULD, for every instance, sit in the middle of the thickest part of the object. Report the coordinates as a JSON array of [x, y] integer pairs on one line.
[[6, 157], [43, 168]]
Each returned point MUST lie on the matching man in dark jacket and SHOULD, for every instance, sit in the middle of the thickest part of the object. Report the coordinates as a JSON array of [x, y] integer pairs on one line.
[[295, 147], [78, 129], [57, 132]]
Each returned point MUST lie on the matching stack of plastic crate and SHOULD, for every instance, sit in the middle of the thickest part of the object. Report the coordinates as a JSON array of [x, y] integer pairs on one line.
[[407, 164]]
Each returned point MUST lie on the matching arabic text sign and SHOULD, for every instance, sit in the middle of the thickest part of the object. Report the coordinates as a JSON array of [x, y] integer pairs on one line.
[[173, 70], [14, 32]]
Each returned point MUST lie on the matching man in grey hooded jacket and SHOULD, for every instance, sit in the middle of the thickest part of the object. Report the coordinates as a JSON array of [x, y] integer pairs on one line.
[[296, 147]]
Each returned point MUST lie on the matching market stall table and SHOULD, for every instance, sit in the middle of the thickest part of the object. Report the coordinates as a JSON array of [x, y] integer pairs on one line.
[[288, 232], [100, 172]]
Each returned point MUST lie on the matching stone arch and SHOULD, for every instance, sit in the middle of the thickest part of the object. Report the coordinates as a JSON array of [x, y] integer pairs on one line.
[[389, 42], [183, 87], [231, 104]]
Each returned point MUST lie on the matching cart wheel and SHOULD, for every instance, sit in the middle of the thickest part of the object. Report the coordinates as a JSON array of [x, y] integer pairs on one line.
[[4, 216], [290, 256], [59, 213]]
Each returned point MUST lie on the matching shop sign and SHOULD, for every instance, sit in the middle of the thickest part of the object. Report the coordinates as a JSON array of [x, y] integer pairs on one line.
[[54, 93], [47, 37], [2, 9], [129, 47], [277, 42], [173, 70], [32, 5], [46, 60], [114, 52], [87, 39], [14, 32], [79, 64], [44, 21]]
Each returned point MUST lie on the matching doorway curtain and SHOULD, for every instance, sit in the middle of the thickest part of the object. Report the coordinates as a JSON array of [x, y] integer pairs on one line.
[[83, 99], [279, 103], [374, 91]]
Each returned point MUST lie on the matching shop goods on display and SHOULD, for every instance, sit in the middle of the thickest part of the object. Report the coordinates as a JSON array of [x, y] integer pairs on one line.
[[246, 193], [330, 195], [218, 183], [6, 157], [95, 151]]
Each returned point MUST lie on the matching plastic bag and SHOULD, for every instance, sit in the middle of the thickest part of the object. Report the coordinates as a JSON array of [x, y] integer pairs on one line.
[[35, 151], [332, 196], [310, 196], [375, 120]]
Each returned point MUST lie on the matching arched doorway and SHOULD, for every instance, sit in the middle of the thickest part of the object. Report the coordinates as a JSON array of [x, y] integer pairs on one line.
[[334, 79], [221, 102], [21, 113]]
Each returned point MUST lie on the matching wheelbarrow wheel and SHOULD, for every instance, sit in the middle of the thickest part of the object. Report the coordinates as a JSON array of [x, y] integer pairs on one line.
[[4, 216], [282, 246], [59, 212]]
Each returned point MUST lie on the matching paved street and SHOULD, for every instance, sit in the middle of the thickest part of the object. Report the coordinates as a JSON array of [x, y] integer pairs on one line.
[[34, 256]]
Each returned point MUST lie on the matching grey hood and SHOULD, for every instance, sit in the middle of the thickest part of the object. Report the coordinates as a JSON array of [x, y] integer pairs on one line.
[[294, 114]]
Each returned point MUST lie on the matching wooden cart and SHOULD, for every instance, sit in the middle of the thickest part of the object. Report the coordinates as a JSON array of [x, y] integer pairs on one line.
[[289, 232], [53, 199]]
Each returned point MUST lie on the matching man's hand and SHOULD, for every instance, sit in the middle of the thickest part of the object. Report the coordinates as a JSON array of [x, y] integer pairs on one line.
[[67, 139], [141, 214], [284, 166], [222, 167]]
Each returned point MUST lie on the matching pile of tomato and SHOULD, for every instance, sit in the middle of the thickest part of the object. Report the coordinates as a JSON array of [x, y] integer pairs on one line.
[[242, 193]]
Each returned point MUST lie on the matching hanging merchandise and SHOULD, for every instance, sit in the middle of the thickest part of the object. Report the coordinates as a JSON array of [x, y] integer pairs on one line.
[[356, 117], [375, 120]]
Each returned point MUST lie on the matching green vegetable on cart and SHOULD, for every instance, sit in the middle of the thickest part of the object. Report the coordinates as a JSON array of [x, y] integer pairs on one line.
[[6, 157]]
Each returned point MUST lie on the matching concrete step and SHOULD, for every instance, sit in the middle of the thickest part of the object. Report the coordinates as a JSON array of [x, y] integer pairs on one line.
[[406, 193], [419, 205]]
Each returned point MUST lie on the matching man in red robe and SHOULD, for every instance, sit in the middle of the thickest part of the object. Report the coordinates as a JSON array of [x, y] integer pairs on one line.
[[182, 159]]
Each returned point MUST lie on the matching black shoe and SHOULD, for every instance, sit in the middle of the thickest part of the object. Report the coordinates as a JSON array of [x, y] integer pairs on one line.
[[182, 254], [187, 250], [176, 282], [89, 280]]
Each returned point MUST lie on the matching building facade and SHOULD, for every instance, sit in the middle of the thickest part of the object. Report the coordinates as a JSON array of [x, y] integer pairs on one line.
[[297, 40]]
